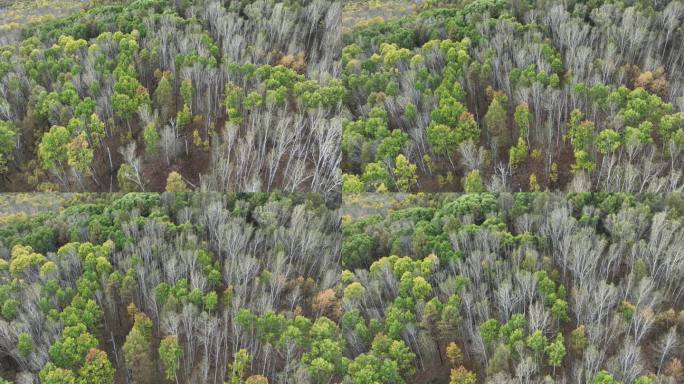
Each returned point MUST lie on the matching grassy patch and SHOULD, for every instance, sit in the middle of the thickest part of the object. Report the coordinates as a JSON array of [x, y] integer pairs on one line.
[[356, 12], [15, 15]]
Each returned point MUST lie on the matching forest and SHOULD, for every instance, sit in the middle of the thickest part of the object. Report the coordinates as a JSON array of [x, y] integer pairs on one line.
[[157, 95], [515, 288], [508, 96], [177, 288], [341, 192], [256, 288]]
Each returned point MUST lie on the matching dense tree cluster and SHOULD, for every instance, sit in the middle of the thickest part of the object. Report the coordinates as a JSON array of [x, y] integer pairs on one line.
[[194, 288], [530, 95], [229, 95], [522, 288]]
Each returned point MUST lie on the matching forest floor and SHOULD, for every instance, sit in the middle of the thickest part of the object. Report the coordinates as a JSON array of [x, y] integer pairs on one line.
[[366, 204], [357, 11]]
